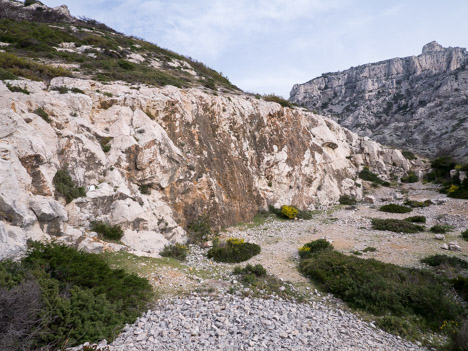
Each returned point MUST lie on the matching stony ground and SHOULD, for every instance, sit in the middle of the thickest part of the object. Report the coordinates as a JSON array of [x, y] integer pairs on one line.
[[202, 306]]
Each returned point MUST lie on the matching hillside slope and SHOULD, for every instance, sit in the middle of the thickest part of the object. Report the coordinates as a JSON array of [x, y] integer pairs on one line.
[[153, 155], [417, 102]]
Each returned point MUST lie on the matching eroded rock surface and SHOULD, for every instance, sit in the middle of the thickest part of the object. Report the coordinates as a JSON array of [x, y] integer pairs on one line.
[[226, 156], [417, 102]]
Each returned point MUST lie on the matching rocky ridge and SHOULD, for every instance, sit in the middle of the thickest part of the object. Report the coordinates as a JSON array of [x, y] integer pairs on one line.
[[225, 155], [417, 103]]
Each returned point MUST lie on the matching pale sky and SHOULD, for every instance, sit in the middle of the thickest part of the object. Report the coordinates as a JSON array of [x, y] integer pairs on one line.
[[267, 46]]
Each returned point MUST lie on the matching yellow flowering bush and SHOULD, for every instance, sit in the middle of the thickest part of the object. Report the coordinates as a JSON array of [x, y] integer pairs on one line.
[[453, 188], [235, 241], [289, 211]]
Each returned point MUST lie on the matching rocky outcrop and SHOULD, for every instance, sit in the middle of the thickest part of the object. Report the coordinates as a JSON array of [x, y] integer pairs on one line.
[[417, 102], [38, 12], [225, 156]]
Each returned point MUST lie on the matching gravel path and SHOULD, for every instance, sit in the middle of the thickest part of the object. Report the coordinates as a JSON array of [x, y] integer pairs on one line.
[[235, 323]]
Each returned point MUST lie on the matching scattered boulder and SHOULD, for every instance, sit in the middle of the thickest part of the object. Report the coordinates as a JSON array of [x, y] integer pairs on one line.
[[440, 236]]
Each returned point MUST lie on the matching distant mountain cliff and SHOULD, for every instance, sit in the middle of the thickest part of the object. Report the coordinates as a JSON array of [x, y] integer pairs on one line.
[[417, 102]]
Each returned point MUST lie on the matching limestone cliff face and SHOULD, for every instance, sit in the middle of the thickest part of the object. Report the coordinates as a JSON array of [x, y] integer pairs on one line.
[[418, 102], [226, 156]]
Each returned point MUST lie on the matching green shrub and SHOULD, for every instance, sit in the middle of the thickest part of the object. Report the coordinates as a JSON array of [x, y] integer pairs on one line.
[[410, 178], [304, 214], [6, 75], [177, 251], [77, 297], [441, 228], [61, 89], [145, 189], [396, 225], [29, 2], [289, 211], [199, 230], [444, 260], [105, 144], [465, 235], [366, 174], [43, 114], [395, 208], [65, 186], [416, 219], [369, 249], [347, 200], [414, 203], [408, 155], [16, 89], [107, 231], [28, 69], [234, 251], [460, 285], [397, 326], [258, 270], [382, 288], [314, 246], [278, 100]]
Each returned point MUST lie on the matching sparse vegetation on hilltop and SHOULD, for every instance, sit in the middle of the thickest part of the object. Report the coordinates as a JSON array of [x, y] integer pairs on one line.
[[109, 52]]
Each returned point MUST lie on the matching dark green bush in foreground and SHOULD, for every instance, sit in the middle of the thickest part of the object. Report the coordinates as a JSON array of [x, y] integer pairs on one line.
[[107, 231], [177, 251], [416, 219], [234, 251], [65, 186], [396, 225], [258, 270], [382, 288], [67, 297], [314, 246], [444, 260], [395, 208]]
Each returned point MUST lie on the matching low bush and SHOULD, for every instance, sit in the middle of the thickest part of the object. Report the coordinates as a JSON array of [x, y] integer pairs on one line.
[[145, 189], [277, 99], [397, 326], [441, 228], [416, 219], [460, 285], [105, 144], [382, 288], [410, 178], [289, 211], [107, 231], [177, 251], [66, 187], [347, 200], [5, 75], [366, 174], [414, 203], [26, 68], [314, 246], [395, 208], [369, 249], [258, 270], [408, 155], [234, 251], [16, 89], [43, 114], [396, 225], [199, 230], [444, 260], [69, 297], [304, 214], [465, 235]]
